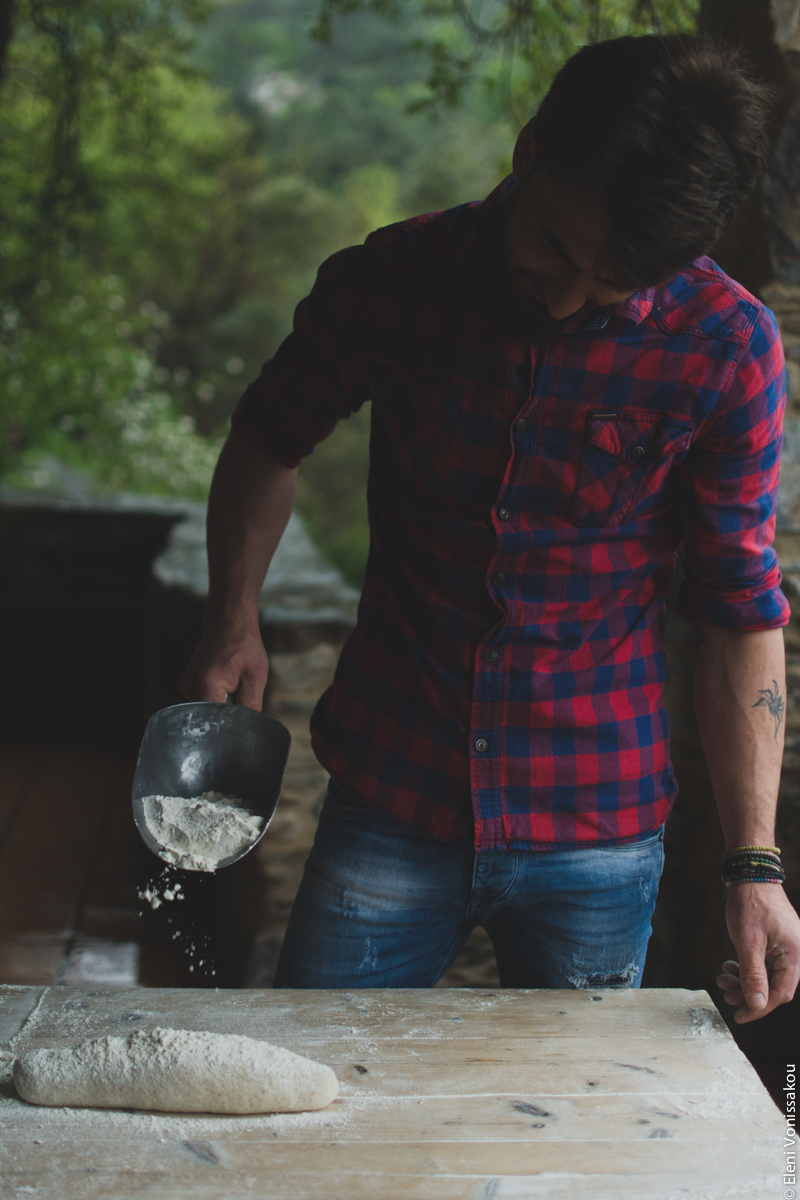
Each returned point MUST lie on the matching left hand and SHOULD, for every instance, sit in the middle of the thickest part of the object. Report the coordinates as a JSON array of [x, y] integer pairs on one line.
[[765, 929]]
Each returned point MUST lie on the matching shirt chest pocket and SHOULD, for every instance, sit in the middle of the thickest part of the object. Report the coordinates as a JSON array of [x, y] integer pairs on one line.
[[416, 417], [625, 465]]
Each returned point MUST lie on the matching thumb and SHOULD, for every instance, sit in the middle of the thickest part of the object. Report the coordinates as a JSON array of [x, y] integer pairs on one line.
[[754, 979]]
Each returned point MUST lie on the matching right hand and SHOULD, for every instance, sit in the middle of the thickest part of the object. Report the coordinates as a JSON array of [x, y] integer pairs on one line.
[[228, 661]]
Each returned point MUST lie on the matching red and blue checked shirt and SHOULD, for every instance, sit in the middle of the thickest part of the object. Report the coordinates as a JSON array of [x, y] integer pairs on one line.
[[504, 680]]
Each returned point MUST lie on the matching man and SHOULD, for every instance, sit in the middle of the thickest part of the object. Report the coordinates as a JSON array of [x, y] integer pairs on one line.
[[562, 391]]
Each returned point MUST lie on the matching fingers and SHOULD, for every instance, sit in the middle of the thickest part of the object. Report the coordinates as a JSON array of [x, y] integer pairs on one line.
[[730, 983], [765, 930], [779, 990], [221, 667], [250, 692], [202, 685], [753, 982], [748, 1008]]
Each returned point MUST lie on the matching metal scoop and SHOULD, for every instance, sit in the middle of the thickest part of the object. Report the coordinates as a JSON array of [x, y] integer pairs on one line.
[[193, 748]]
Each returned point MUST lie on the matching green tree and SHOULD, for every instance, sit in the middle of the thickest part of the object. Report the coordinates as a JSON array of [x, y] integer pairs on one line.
[[81, 91], [150, 254], [169, 183], [513, 47], [336, 117]]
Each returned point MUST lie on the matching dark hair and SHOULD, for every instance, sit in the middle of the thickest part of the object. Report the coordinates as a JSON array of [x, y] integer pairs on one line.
[[669, 131]]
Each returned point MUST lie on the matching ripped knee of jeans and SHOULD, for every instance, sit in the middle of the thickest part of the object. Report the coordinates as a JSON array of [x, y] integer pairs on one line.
[[621, 977]]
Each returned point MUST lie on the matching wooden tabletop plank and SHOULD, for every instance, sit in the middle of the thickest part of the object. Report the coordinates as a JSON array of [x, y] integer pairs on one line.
[[331, 1153], [453, 1014], [217, 1167], [145, 1183], [16, 1006], [502, 1109], [526, 1118]]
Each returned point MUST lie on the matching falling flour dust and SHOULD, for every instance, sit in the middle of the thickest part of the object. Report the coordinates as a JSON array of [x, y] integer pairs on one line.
[[155, 894], [199, 832]]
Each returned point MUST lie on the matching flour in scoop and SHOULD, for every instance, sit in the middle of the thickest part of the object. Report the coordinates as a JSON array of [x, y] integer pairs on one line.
[[199, 832]]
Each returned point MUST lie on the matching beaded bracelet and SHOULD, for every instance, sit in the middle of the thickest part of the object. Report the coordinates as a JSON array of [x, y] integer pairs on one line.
[[752, 864]]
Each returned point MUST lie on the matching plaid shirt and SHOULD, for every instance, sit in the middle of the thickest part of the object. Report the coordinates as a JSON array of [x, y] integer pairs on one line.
[[504, 680]]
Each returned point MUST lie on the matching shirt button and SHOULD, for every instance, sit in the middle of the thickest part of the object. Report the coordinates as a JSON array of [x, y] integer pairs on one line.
[[521, 425], [491, 655], [638, 452], [504, 514], [499, 579], [481, 745]]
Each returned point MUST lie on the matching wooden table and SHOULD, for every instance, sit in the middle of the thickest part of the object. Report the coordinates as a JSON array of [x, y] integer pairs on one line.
[[445, 1094]]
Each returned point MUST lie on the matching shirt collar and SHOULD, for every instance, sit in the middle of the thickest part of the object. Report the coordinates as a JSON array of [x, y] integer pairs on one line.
[[473, 258], [637, 307]]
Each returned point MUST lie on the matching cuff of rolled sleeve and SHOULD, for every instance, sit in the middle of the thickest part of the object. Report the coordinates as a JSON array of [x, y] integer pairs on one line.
[[268, 442], [742, 608]]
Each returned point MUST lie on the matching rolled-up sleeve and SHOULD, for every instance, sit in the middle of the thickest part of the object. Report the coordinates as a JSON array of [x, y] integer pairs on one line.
[[727, 493], [316, 376]]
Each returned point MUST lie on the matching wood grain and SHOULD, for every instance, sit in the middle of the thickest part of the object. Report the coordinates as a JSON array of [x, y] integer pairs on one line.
[[444, 1096]]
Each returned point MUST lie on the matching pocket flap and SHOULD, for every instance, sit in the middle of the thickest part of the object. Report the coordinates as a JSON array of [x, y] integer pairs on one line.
[[639, 437]]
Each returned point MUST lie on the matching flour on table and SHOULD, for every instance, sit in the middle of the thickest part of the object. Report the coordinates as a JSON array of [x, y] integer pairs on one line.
[[176, 1070], [199, 832]]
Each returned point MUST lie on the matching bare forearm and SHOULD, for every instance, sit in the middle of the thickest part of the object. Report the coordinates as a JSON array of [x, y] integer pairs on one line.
[[740, 694], [740, 691], [250, 503]]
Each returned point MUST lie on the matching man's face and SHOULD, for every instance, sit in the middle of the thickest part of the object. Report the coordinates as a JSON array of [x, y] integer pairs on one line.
[[554, 239]]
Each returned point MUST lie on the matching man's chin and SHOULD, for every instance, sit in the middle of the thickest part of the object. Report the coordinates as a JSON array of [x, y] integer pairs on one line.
[[534, 319]]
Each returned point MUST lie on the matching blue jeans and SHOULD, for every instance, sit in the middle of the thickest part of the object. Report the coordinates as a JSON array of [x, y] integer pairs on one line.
[[382, 906]]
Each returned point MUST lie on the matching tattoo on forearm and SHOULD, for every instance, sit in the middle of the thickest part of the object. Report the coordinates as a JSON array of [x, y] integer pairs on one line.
[[774, 702]]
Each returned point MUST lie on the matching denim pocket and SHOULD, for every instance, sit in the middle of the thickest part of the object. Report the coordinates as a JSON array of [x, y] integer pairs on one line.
[[625, 464], [645, 844]]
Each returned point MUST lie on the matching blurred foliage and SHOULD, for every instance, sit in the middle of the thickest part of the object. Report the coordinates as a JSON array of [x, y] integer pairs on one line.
[[512, 47], [90, 119], [172, 173], [336, 117]]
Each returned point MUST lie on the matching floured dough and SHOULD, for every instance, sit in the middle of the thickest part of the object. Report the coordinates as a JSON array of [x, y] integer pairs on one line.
[[176, 1070]]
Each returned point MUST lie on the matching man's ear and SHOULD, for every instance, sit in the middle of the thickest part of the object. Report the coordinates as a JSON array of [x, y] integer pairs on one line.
[[525, 149]]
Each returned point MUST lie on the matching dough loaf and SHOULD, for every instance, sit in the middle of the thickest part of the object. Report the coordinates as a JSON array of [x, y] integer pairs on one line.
[[176, 1070]]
